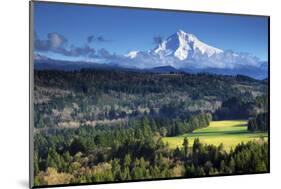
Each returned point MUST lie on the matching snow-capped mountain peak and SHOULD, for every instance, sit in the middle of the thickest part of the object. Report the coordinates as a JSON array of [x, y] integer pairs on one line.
[[184, 51], [183, 45]]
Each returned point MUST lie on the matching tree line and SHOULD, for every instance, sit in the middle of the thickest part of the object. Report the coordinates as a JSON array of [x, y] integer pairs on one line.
[[89, 154], [259, 122]]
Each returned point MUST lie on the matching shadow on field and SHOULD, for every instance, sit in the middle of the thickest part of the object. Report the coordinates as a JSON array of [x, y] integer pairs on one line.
[[240, 125], [221, 132]]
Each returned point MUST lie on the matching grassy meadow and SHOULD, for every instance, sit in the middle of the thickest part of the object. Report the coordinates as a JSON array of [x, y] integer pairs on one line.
[[228, 132]]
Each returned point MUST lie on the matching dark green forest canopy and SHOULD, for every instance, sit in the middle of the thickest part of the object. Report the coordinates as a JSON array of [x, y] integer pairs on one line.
[[89, 155], [87, 81]]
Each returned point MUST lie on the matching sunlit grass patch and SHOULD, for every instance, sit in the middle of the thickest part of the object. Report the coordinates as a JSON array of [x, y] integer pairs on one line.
[[229, 132]]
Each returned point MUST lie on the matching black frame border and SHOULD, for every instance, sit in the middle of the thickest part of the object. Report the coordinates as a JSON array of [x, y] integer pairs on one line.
[[31, 48]]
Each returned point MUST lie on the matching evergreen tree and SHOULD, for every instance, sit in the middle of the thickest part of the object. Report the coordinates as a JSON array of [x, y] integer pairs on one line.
[[185, 147]]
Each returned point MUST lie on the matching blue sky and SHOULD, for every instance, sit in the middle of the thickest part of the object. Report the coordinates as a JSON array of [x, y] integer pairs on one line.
[[120, 30]]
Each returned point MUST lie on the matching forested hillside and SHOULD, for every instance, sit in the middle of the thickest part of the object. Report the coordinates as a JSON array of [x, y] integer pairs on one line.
[[101, 125], [70, 99]]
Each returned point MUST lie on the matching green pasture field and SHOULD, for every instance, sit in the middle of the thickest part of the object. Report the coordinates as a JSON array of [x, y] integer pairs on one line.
[[228, 132]]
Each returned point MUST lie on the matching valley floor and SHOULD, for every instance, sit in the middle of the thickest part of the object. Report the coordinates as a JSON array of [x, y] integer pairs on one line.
[[228, 132]]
